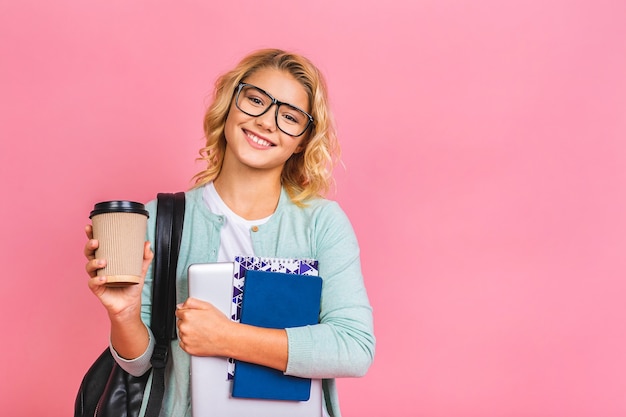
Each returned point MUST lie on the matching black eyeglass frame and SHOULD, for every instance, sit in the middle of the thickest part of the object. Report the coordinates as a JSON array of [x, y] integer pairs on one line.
[[278, 103]]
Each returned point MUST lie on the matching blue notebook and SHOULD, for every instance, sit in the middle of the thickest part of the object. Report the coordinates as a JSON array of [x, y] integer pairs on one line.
[[276, 300], [244, 264]]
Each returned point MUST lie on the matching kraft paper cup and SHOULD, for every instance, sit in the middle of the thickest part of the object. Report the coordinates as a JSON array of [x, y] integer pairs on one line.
[[120, 227]]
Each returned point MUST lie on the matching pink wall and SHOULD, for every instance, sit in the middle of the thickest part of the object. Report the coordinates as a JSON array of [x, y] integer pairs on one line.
[[485, 150]]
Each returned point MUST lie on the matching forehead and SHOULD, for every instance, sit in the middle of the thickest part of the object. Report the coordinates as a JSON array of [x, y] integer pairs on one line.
[[281, 85]]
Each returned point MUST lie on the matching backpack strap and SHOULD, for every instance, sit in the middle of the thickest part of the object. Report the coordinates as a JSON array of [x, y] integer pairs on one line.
[[169, 229]]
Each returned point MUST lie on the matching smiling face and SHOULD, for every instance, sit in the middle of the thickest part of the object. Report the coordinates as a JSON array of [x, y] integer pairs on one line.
[[256, 142]]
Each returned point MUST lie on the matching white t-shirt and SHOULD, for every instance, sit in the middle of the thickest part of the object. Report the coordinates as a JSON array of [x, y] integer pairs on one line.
[[235, 237]]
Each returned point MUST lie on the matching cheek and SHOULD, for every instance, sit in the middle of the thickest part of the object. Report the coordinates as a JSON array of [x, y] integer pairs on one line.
[[229, 125]]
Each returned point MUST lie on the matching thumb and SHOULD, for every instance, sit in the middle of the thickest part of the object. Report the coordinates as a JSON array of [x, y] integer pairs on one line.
[[194, 303]]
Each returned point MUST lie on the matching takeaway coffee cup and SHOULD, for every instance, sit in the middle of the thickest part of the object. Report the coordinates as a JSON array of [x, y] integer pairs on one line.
[[120, 227]]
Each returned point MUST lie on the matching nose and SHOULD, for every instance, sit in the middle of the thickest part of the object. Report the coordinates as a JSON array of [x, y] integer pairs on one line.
[[268, 119]]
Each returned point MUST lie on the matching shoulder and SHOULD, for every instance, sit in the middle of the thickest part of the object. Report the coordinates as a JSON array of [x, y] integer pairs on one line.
[[312, 208], [192, 198], [324, 216], [193, 204]]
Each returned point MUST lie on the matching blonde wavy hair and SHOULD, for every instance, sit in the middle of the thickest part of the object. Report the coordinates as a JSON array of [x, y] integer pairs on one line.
[[306, 174]]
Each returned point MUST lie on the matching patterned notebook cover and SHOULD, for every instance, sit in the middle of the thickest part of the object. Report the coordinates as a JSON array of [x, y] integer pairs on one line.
[[246, 263]]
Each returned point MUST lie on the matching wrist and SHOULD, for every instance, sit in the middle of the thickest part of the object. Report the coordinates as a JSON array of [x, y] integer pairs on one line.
[[126, 316], [231, 340]]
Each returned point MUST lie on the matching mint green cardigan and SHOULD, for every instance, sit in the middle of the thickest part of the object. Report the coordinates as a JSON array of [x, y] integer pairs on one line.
[[342, 345]]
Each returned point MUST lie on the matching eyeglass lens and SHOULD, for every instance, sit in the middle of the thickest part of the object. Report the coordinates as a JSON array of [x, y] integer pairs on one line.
[[254, 102]]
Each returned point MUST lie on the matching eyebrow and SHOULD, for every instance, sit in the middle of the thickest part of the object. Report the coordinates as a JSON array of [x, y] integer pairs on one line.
[[274, 97]]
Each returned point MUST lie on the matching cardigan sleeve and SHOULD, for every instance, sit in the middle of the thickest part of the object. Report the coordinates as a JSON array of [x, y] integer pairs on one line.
[[343, 343], [137, 366]]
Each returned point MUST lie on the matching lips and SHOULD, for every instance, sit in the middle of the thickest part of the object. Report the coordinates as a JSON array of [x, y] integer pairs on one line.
[[258, 140]]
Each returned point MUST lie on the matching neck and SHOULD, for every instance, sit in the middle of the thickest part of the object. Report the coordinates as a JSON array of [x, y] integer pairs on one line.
[[251, 194]]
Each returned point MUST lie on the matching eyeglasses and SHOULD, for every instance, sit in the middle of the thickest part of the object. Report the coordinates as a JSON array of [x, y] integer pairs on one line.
[[290, 119]]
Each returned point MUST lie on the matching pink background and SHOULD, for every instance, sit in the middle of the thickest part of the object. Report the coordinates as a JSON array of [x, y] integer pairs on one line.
[[484, 145]]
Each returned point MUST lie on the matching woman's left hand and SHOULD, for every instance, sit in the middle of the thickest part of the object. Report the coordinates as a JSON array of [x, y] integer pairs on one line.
[[203, 330]]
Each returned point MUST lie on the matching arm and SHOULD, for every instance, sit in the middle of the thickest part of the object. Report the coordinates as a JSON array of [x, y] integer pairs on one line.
[[205, 331], [343, 344], [129, 336]]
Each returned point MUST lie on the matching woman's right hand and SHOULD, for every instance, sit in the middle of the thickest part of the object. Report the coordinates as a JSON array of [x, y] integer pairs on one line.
[[118, 301]]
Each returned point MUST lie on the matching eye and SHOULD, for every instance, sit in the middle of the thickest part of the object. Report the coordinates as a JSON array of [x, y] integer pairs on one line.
[[291, 115], [289, 118], [255, 100]]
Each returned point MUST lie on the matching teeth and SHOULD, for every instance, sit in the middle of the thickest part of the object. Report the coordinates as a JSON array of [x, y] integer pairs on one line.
[[258, 140]]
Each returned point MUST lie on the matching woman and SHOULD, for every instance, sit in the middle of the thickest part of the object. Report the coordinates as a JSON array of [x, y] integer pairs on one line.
[[270, 147]]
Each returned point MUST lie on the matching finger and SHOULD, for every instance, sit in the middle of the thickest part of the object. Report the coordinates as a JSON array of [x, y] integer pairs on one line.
[[194, 303], [89, 231], [90, 248], [93, 265], [147, 259], [147, 252], [181, 325], [96, 284], [181, 312]]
